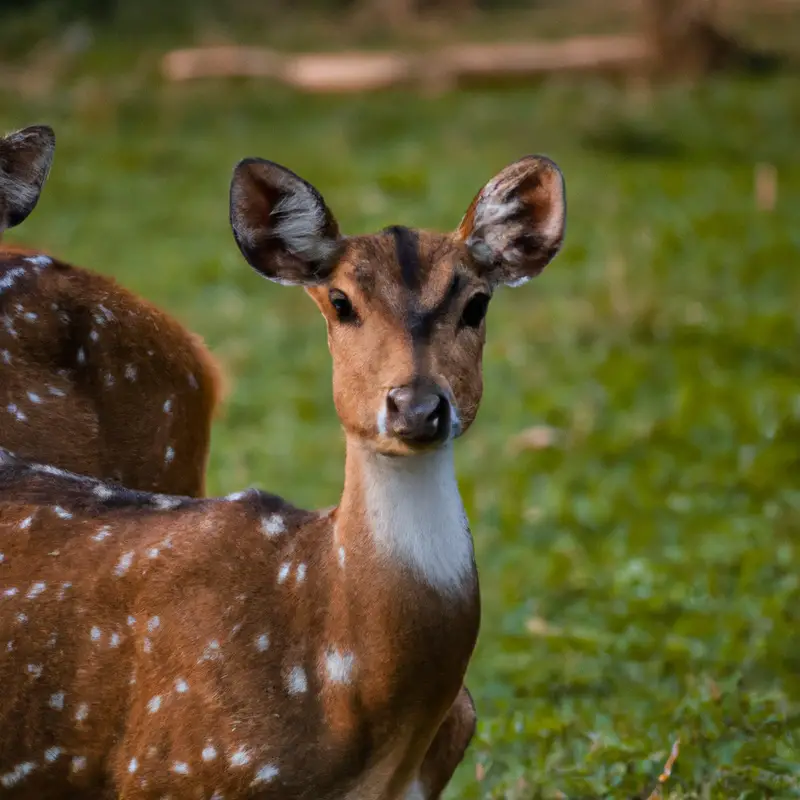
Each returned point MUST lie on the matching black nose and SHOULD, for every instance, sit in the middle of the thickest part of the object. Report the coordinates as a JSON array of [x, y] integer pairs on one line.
[[418, 414]]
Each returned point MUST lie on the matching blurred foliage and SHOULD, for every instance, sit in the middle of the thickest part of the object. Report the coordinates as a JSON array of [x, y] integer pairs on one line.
[[641, 573]]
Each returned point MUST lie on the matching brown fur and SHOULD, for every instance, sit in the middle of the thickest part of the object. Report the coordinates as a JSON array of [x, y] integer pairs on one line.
[[101, 363], [240, 647]]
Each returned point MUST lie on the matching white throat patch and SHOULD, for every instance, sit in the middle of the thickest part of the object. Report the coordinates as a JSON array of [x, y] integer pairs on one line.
[[417, 517]]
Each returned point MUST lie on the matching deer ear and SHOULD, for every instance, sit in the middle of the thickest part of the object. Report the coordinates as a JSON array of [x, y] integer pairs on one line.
[[282, 225], [25, 160], [515, 225]]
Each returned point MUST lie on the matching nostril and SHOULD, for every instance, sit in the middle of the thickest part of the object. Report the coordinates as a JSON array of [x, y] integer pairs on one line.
[[439, 404]]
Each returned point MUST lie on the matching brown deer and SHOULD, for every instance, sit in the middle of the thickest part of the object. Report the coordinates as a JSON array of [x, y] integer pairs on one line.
[[240, 647], [93, 379]]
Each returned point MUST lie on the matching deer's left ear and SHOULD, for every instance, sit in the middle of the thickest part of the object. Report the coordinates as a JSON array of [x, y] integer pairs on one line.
[[515, 225], [25, 159]]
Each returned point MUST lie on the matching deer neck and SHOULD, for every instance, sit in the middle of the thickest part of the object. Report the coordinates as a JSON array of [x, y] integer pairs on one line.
[[408, 515]]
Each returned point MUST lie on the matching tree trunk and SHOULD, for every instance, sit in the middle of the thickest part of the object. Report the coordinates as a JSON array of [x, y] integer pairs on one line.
[[686, 40]]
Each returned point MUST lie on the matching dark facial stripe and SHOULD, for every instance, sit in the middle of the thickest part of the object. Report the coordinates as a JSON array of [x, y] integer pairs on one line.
[[421, 322], [406, 244]]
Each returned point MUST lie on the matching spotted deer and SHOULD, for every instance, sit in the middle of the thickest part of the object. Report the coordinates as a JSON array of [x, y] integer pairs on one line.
[[93, 379], [241, 647]]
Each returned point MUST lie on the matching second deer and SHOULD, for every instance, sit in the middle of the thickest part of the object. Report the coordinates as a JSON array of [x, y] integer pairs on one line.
[[93, 379], [241, 647]]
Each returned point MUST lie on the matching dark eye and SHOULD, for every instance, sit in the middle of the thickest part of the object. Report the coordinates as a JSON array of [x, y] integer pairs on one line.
[[342, 306], [475, 310]]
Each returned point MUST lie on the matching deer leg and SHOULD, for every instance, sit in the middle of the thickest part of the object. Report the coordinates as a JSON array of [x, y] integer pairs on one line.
[[447, 749]]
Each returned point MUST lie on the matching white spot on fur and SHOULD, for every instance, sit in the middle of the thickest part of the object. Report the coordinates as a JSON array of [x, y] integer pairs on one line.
[[262, 642], [36, 589], [154, 704], [283, 572], [81, 356], [17, 774], [14, 410], [209, 752], [301, 573], [131, 372], [57, 701], [147, 645], [153, 623], [240, 758], [34, 398], [52, 754], [153, 552], [169, 455], [273, 525], [265, 774], [6, 356], [64, 586], [114, 640], [35, 670], [39, 261], [95, 633], [26, 523], [102, 491], [165, 502], [62, 512], [341, 557], [180, 768], [297, 683], [108, 380], [81, 712], [94, 335], [417, 517], [181, 686], [10, 592], [339, 666], [22, 618], [168, 405], [192, 381], [78, 763], [124, 563], [211, 651], [102, 534], [56, 392], [133, 765]]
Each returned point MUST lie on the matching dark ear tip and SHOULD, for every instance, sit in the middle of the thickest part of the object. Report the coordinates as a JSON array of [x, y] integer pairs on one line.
[[44, 132]]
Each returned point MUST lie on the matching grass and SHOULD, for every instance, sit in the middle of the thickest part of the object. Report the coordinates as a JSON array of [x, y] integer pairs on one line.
[[641, 575]]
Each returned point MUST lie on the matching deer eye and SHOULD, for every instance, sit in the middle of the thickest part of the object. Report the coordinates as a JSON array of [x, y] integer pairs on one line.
[[342, 306], [475, 310]]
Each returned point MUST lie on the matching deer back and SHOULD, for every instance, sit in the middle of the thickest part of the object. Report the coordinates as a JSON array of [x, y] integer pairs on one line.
[[95, 380]]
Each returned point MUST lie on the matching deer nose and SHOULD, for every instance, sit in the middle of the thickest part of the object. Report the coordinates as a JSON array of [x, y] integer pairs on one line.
[[419, 415]]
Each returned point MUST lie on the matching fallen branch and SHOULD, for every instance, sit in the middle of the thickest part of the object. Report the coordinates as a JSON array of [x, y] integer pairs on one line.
[[360, 71]]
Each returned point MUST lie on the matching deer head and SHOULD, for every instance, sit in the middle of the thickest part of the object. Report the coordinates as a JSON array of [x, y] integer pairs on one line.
[[405, 309], [25, 160]]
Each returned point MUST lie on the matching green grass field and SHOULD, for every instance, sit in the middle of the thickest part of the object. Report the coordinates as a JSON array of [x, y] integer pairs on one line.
[[640, 575]]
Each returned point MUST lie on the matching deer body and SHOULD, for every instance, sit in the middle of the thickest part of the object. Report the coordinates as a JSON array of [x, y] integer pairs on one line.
[[239, 647], [93, 379]]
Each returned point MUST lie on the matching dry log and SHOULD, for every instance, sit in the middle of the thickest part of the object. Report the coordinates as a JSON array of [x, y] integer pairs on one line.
[[360, 71], [221, 62]]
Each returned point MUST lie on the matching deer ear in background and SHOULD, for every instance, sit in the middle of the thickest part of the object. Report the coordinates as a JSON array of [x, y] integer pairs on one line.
[[25, 160], [515, 225]]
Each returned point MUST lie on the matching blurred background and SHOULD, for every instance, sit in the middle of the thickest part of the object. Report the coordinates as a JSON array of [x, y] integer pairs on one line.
[[633, 480]]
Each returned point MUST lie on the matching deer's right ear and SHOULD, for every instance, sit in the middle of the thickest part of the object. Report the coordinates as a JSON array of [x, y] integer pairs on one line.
[[25, 160], [282, 225]]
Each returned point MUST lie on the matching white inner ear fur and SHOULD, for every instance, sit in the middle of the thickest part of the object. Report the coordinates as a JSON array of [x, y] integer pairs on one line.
[[19, 195], [494, 232], [300, 225], [22, 192]]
